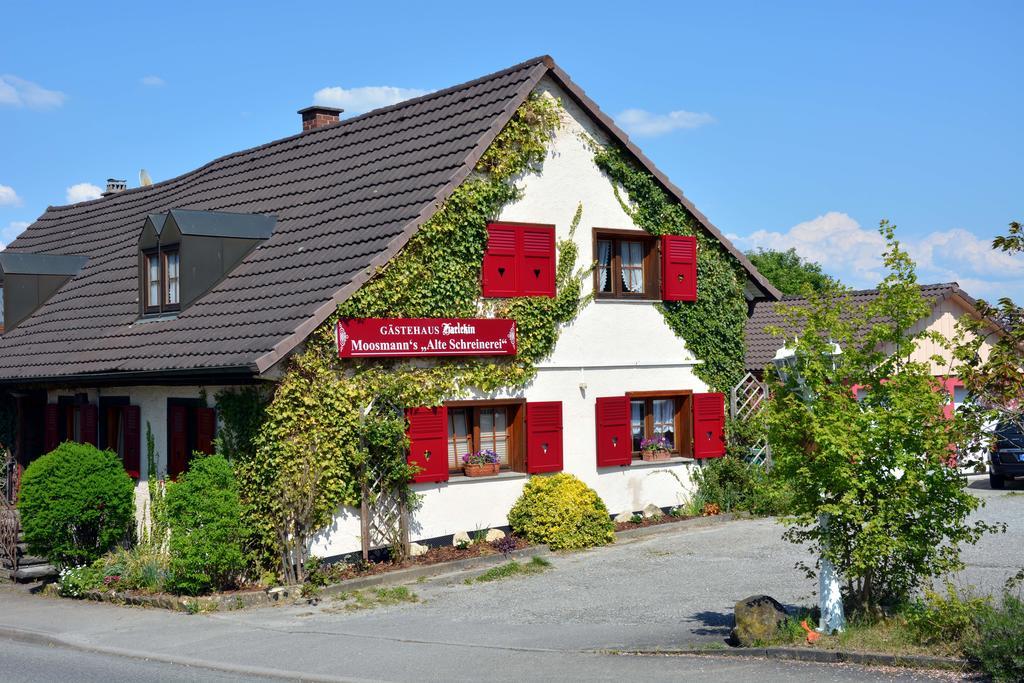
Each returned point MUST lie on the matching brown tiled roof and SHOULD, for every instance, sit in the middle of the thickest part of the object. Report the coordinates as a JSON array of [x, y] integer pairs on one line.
[[762, 346], [347, 197]]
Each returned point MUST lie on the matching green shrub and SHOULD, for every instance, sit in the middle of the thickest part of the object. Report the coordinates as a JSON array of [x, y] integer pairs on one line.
[[945, 618], [563, 512], [999, 648], [734, 484], [204, 514], [74, 582], [76, 503]]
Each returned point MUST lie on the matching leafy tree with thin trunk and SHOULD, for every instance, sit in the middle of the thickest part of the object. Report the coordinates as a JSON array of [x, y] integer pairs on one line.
[[878, 467]]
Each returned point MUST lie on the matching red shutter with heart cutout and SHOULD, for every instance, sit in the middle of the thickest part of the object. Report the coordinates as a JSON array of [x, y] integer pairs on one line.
[[51, 435], [678, 268], [132, 440], [708, 425], [89, 429], [428, 443], [544, 436], [500, 271], [614, 439], [537, 263]]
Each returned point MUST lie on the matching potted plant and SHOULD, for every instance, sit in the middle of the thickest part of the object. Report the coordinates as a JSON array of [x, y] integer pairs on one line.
[[655, 449], [480, 464]]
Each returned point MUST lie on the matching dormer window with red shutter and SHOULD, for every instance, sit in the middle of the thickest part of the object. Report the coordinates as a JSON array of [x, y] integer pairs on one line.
[[519, 260]]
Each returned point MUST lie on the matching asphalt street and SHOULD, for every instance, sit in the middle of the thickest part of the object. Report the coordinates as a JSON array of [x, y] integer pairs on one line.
[[670, 590]]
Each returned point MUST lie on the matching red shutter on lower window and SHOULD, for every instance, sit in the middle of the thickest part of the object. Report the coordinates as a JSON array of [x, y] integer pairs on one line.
[[678, 268], [499, 273], [614, 439], [89, 424], [132, 440], [428, 442], [177, 429], [708, 425], [537, 263], [51, 435], [206, 429], [544, 436]]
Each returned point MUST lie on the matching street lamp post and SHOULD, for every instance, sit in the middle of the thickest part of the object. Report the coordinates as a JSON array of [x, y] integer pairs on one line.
[[830, 599]]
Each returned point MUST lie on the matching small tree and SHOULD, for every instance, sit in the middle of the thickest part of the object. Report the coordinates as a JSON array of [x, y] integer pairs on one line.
[[76, 503], [791, 273], [878, 468]]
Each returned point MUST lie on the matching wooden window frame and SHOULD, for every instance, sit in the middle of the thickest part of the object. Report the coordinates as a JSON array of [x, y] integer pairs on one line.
[[161, 306], [651, 264], [516, 429], [682, 418]]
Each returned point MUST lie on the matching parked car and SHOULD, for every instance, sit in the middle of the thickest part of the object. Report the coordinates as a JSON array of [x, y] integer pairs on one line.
[[1007, 459]]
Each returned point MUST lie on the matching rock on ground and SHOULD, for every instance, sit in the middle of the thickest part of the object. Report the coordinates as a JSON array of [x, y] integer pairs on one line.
[[652, 511], [757, 619], [417, 549], [494, 535], [623, 517], [461, 538]]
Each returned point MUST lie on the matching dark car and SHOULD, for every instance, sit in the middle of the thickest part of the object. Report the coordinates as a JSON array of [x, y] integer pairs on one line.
[[1007, 459]]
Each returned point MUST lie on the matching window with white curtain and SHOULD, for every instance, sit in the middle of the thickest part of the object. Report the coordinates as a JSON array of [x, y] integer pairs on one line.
[[625, 265]]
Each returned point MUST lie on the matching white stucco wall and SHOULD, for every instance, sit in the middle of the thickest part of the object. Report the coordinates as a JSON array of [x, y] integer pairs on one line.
[[611, 348]]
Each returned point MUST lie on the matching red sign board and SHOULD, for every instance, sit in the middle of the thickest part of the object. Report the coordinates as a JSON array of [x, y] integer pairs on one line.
[[397, 337]]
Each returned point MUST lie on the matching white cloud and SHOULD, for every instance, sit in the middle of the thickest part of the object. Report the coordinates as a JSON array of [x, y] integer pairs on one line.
[[854, 254], [17, 92], [648, 124], [152, 81], [8, 197], [360, 100], [83, 192], [13, 229]]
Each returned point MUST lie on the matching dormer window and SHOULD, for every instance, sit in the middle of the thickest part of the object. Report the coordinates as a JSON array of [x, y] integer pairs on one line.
[[184, 253], [163, 280]]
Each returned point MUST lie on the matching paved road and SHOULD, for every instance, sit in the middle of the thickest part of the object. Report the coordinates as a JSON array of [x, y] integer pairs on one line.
[[673, 589]]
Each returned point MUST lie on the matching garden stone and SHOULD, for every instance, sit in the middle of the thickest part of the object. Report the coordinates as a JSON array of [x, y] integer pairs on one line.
[[461, 538], [652, 511], [494, 535], [417, 549], [757, 619], [623, 517]]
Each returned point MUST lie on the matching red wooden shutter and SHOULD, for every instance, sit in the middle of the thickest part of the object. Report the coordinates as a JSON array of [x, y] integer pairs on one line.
[[177, 429], [708, 425], [544, 436], [537, 263], [614, 439], [51, 435], [678, 268], [499, 267], [89, 424], [132, 440], [428, 442], [206, 429]]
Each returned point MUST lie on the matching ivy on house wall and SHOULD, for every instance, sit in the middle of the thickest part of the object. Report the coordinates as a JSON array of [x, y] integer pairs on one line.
[[313, 436], [712, 326]]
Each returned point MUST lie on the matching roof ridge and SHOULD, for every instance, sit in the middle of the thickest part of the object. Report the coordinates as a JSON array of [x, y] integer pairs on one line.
[[349, 121]]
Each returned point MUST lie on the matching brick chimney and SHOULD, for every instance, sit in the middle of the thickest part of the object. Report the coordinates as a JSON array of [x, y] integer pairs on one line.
[[318, 116], [115, 185]]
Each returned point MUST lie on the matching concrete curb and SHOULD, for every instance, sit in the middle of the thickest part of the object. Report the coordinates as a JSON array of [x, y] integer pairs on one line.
[[52, 640], [819, 656]]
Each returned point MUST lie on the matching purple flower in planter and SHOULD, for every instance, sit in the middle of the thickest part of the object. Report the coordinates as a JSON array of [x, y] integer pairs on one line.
[[483, 457], [658, 443]]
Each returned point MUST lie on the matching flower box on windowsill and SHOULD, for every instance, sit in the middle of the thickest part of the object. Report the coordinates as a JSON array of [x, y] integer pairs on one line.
[[656, 456], [486, 470]]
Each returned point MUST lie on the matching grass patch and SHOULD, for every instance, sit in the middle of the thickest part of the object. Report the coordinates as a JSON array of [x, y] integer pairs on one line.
[[381, 597], [536, 565], [891, 635]]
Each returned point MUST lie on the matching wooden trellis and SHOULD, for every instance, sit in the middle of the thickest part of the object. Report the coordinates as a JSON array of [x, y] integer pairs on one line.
[[746, 400], [9, 520]]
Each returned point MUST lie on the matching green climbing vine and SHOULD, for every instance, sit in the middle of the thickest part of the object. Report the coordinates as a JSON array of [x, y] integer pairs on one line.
[[320, 433], [712, 326]]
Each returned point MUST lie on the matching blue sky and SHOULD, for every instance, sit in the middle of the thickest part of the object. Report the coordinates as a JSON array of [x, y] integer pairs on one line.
[[788, 124]]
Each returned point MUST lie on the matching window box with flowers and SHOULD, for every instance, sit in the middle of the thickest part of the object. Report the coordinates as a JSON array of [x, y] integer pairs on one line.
[[655, 449], [482, 463]]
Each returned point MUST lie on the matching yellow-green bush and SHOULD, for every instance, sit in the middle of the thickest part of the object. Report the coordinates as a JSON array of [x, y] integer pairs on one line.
[[563, 512]]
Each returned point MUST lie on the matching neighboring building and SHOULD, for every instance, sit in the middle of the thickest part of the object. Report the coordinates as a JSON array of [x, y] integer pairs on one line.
[[948, 304], [137, 308]]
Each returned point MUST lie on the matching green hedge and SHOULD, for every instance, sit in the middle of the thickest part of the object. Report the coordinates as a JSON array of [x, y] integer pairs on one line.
[[76, 503]]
